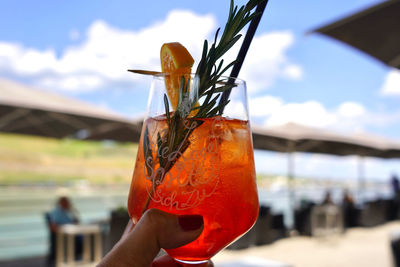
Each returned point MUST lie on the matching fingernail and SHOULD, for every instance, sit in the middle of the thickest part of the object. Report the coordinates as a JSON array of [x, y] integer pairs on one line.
[[190, 222]]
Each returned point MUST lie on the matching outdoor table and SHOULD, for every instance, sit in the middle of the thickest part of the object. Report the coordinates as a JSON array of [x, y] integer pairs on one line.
[[325, 220], [70, 231]]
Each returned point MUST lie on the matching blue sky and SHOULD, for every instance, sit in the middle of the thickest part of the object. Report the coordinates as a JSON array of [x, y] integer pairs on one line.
[[83, 48]]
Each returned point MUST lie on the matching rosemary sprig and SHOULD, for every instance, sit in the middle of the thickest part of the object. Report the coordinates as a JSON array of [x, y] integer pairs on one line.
[[208, 70], [171, 144]]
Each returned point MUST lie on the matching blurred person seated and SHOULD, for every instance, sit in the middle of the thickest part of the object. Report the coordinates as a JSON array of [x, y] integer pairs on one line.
[[327, 199], [350, 212], [394, 180], [393, 211], [64, 213], [347, 199]]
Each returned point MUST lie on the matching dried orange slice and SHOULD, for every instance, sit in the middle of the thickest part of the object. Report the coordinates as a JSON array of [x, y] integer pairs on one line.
[[177, 62]]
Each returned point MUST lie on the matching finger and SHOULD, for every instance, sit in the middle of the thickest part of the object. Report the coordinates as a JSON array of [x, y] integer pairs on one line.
[[128, 228], [155, 230]]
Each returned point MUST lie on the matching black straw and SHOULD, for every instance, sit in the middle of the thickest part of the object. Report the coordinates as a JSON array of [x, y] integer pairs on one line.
[[245, 46]]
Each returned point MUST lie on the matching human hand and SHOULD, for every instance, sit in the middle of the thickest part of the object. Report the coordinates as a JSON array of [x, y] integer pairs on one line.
[[155, 230]]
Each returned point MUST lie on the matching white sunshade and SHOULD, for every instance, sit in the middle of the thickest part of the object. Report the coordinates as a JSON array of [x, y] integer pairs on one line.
[[28, 110]]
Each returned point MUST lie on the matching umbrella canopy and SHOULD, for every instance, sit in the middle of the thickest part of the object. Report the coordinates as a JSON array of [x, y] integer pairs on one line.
[[26, 110], [293, 137], [375, 30]]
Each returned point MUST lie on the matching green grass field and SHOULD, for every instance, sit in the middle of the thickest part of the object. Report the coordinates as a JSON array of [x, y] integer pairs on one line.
[[32, 160], [26, 160]]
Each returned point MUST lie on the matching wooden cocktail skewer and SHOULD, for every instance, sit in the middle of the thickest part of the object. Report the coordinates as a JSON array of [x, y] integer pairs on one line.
[[148, 72]]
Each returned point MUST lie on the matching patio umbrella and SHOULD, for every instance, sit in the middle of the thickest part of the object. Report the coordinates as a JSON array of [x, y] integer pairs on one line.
[[375, 31], [291, 137], [25, 110]]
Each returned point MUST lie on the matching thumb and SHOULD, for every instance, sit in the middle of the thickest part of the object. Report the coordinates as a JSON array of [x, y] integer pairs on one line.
[[155, 230]]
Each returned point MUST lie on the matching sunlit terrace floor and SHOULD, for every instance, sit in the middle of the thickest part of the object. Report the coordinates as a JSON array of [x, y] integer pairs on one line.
[[366, 247]]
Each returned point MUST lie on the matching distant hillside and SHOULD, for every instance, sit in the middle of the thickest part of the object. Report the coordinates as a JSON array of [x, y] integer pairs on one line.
[[27, 160], [32, 160]]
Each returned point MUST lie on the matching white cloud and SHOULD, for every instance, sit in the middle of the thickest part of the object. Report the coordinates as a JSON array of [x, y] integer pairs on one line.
[[350, 109], [293, 72], [347, 116], [391, 85], [25, 61], [264, 106], [105, 52], [73, 83], [267, 60], [311, 113]]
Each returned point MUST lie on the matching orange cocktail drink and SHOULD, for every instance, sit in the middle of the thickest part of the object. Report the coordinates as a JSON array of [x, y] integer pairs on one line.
[[214, 177], [191, 164]]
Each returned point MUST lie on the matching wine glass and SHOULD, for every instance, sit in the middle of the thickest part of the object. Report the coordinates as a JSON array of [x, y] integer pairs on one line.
[[194, 160]]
